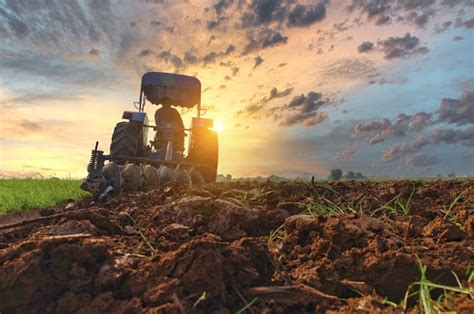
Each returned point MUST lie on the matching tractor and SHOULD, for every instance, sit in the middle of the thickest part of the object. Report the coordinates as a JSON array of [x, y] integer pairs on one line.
[[134, 163]]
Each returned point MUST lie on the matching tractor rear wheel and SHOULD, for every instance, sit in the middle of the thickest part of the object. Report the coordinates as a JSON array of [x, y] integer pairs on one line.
[[127, 140], [204, 150]]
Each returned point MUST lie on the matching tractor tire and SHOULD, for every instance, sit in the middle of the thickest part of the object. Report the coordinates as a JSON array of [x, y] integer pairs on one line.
[[205, 151], [127, 140]]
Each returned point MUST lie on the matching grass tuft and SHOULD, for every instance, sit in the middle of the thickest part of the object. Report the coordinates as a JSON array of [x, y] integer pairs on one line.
[[425, 288], [247, 306], [448, 212], [273, 235], [327, 208]]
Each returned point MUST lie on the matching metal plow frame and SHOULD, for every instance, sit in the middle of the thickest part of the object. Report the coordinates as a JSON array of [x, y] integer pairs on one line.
[[102, 185]]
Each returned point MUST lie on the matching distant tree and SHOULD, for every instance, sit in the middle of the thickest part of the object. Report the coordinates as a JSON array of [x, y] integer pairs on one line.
[[451, 175], [350, 175], [228, 177], [359, 175], [336, 174]]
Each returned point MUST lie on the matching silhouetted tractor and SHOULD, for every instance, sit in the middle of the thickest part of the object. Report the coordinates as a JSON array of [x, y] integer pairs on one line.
[[134, 163]]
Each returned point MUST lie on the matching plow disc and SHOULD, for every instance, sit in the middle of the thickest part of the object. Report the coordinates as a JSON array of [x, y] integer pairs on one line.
[[128, 174]]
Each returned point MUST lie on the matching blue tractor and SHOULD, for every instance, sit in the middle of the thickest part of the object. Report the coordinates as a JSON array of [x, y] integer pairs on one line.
[[135, 162]]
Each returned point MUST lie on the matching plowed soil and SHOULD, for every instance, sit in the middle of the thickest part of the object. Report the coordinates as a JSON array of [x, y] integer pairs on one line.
[[217, 248]]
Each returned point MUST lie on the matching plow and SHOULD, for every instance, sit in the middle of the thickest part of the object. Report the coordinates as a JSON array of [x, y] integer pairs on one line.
[[134, 163]]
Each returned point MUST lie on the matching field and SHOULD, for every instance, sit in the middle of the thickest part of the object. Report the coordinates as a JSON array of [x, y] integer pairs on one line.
[[26, 194], [247, 247]]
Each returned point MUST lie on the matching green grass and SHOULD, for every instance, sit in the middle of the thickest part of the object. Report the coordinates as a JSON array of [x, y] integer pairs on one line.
[[327, 208], [424, 293], [25, 194]]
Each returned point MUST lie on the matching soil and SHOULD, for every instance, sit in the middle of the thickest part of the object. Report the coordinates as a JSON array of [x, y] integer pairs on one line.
[[217, 248]]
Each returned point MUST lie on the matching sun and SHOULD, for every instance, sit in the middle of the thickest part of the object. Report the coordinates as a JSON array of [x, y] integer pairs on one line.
[[218, 127]]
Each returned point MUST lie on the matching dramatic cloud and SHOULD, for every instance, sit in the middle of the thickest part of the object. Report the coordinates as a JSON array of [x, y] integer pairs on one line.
[[303, 109], [303, 15], [451, 111], [401, 47], [70, 55], [416, 12], [377, 131], [265, 39], [366, 46], [457, 111], [264, 12], [173, 59], [254, 109], [463, 137]]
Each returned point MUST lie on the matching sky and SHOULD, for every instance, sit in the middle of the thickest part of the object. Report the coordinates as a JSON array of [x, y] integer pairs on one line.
[[382, 87]]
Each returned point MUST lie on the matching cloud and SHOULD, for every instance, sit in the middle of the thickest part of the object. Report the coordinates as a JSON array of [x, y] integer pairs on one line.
[[451, 111], [265, 38], [173, 59], [274, 93], [303, 15], [366, 46], [261, 12], [303, 109], [145, 52], [377, 131], [210, 57], [457, 111], [94, 52], [18, 28], [347, 153], [259, 107], [420, 161], [222, 5], [251, 110], [466, 24], [229, 50], [381, 12], [29, 125], [444, 27], [34, 98], [401, 47], [190, 58], [350, 68], [419, 19], [374, 9], [463, 137], [52, 68], [258, 61]]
